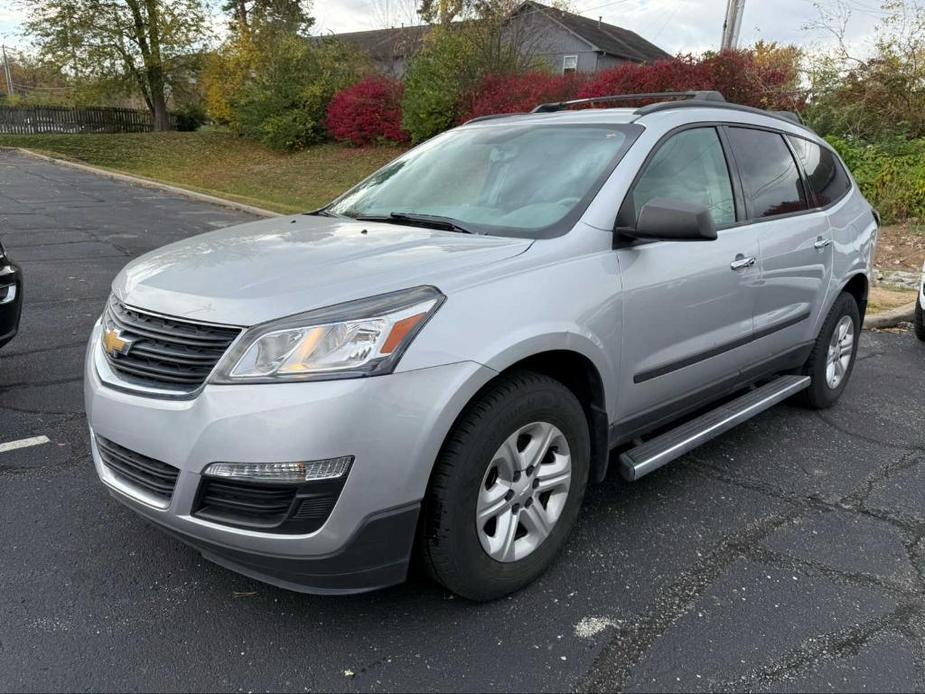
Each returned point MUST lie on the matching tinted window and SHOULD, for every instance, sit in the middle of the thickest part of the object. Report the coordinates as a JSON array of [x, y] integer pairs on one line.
[[826, 176], [769, 174], [690, 167]]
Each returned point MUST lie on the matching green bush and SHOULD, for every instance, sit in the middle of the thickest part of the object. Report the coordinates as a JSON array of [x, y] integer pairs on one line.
[[283, 104], [435, 84], [452, 65], [191, 117], [890, 172]]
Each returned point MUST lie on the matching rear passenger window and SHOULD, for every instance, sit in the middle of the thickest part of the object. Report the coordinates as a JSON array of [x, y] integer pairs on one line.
[[690, 167], [826, 176], [770, 177]]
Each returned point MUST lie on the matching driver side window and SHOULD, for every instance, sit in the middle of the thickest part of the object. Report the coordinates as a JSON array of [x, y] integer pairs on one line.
[[691, 167]]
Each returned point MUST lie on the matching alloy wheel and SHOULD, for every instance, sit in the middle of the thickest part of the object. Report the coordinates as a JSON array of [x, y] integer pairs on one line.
[[841, 349]]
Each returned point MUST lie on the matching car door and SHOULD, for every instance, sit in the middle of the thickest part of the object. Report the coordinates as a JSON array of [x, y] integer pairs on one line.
[[688, 305], [794, 239]]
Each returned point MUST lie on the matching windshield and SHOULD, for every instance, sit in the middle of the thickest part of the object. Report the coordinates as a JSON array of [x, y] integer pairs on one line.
[[509, 180]]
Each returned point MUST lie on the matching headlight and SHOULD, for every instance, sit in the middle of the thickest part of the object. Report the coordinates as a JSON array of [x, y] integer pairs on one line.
[[359, 338]]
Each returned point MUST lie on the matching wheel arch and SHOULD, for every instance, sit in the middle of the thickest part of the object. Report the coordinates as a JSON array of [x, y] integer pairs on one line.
[[858, 286], [577, 372]]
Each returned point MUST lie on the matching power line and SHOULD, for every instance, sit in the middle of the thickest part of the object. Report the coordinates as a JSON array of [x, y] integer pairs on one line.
[[606, 4], [667, 22]]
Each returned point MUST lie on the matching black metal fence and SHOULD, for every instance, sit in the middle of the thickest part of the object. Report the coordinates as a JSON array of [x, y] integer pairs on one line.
[[33, 120]]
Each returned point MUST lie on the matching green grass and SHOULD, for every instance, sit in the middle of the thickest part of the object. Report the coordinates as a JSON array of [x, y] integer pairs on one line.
[[221, 164]]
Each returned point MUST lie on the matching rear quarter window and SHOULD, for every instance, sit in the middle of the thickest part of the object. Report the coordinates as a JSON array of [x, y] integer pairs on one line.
[[770, 177], [826, 176]]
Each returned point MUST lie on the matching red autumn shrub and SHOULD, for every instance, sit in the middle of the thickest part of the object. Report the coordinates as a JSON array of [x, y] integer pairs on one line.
[[518, 93], [742, 76], [677, 74], [367, 112]]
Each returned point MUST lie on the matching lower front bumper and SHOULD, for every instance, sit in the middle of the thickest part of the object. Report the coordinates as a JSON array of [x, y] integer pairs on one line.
[[377, 556]]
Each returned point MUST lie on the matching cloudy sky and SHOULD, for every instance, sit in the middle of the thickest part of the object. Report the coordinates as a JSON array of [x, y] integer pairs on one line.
[[675, 25]]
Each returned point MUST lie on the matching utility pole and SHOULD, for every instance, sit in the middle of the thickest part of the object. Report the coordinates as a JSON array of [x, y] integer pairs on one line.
[[9, 75], [732, 25]]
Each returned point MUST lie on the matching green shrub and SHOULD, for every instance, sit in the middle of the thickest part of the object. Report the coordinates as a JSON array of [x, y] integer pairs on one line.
[[191, 117], [283, 104], [451, 67], [435, 84], [890, 172]]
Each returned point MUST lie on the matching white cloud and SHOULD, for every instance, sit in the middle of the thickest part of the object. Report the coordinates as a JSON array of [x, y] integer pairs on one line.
[[692, 26], [10, 19]]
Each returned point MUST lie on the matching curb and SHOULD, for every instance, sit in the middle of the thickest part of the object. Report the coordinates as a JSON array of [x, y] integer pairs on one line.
[[890, 319], [150, 183]]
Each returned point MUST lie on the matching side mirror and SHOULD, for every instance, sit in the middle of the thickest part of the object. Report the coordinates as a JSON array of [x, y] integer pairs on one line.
[[669, 219]]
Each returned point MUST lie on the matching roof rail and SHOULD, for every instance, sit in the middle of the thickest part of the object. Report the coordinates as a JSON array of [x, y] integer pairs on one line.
[[789, 116], [692, 96]]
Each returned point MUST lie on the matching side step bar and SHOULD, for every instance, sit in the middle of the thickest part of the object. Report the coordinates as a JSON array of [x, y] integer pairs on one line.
[[656, 452]]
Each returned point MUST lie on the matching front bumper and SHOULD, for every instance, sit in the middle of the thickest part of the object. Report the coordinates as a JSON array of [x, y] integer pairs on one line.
[[10, 299], [393, 425]]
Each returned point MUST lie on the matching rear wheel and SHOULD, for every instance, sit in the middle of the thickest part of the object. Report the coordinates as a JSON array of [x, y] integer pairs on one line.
[[919, 320], [832, 360], [507, 487]]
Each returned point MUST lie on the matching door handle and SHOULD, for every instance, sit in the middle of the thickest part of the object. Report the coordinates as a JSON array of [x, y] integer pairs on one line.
[[741, 262], [822, 243]]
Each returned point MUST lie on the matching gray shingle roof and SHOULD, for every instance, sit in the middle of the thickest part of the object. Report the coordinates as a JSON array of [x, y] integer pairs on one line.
[[387, 44], [611, 39]]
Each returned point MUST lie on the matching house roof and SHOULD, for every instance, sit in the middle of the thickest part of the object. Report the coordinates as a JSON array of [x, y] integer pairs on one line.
[[388, 44], [607, 38]]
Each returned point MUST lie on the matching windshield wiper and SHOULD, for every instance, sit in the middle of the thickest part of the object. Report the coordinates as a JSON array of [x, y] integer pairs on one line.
[[427, 220]]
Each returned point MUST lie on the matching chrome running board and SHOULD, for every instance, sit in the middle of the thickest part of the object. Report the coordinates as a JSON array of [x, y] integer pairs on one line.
[[662, 449]]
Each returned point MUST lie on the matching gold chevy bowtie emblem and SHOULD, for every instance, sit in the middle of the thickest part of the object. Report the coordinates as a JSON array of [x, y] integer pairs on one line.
[[113, 342]]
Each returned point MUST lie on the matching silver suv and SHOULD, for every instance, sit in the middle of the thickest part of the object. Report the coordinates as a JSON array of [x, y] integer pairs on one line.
[[437, 364]]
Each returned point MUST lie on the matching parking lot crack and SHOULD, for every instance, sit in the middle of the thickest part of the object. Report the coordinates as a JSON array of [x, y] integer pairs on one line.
[[820, 649], [632, 642], [868, 439]]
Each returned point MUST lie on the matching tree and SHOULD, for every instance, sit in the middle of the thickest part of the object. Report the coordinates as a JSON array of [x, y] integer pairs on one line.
[[458, 55], [147, 43], [446, 11], [874, 94], [283, 101], [282, 16]]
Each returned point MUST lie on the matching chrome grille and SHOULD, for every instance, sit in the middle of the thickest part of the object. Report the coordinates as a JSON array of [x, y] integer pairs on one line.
[[165, 352]]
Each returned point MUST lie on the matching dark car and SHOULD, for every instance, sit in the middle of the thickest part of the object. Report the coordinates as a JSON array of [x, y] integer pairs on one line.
[[10, 297]]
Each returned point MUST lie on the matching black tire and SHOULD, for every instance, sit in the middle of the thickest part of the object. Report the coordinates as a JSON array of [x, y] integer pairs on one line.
[[918, 321], [820, 395], [450, 542]]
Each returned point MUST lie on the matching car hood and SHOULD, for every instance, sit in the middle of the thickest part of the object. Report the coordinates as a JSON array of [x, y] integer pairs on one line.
[[277, 267]]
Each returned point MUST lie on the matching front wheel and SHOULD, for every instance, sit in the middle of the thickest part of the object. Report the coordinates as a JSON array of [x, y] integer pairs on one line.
[[507, 487], [832, 360]]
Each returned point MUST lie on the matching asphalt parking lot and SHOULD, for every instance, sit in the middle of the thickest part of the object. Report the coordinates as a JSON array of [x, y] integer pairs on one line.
[[786, 555]]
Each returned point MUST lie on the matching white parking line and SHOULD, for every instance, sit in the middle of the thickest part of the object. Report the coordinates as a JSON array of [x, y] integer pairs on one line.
[[23, 443]]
